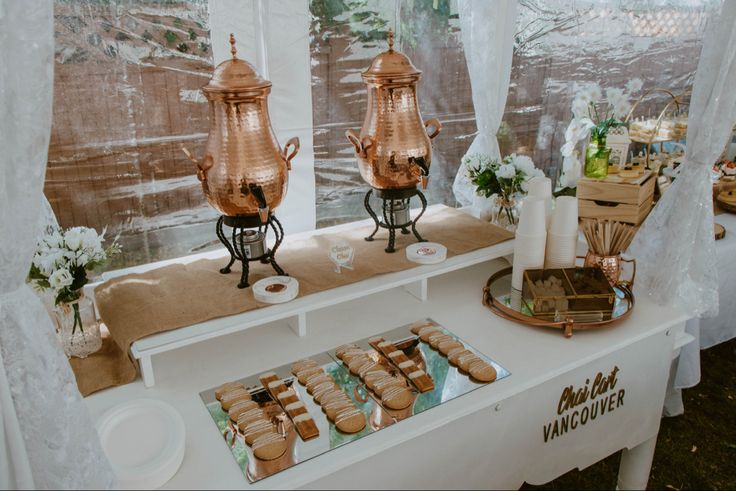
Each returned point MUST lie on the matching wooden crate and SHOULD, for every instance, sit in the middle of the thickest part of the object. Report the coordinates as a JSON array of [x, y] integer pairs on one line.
[[627, 200]]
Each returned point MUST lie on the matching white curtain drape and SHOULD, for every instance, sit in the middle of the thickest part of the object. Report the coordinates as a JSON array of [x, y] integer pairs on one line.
[[675, 248], [487, 30], [47, 439]]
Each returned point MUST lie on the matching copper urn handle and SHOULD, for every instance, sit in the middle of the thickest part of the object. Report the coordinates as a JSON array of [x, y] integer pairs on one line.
[[361, 146], [201, 168], [294, 143], [434, 123]]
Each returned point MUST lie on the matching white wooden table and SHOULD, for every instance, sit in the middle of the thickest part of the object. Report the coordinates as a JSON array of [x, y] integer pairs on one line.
[[493, 437]]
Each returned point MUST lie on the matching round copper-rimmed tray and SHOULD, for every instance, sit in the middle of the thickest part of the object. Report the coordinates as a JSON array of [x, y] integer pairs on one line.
[[506, 302]]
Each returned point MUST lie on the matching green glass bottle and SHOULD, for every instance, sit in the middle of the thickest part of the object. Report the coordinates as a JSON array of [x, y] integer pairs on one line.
[[596, 158]]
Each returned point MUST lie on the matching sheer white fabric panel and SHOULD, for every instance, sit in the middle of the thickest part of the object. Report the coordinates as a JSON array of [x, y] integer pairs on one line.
[[675, 248], [48, 438], [487, 30]]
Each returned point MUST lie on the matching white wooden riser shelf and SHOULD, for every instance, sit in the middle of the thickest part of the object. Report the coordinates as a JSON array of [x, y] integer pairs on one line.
[[295, 312]]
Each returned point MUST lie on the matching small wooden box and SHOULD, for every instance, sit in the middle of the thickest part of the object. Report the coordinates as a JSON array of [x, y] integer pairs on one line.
[[623, 199]]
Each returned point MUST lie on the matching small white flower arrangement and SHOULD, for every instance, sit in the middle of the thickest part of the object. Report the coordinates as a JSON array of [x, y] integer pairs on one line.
[[505, 178], [593, 115], [63, 258]]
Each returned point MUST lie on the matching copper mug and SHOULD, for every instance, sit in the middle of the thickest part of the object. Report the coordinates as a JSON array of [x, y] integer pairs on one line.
[[611, 267]]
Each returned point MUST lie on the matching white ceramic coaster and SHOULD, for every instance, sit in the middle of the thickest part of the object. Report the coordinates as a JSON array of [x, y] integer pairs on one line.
[[276, 289], [426, 253]]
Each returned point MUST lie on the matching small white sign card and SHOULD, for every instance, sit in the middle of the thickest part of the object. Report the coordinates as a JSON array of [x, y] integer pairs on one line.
[[342, 254]]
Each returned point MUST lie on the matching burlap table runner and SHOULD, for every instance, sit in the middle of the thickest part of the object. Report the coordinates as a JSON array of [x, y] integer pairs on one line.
[[178, 295]]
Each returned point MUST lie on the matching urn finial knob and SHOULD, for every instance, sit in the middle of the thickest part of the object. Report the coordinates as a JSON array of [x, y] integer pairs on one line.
[[233, 50], [390, 39]]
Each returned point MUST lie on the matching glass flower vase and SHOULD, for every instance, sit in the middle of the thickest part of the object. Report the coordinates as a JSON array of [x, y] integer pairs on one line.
[[505, 213], [77, 327], [596, 159]]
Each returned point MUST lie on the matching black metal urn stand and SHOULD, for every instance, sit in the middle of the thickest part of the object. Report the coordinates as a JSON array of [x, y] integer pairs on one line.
[[241, 251], [389, 198]]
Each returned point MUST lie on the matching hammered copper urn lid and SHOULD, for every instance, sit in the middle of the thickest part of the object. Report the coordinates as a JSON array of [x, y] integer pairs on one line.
[[244, 171], [392, 66]]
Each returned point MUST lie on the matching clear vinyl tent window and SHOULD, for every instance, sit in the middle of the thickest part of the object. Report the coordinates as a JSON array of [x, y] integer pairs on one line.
[[128, 73]]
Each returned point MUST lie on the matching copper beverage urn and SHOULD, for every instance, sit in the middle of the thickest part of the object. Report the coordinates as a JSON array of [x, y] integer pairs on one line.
[[244, 172], [393, 148]]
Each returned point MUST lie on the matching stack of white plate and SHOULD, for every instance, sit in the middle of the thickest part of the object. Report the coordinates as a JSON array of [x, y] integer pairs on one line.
[[144, 441]]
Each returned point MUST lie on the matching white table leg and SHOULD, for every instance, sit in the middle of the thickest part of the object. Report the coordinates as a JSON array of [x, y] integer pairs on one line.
[[298, 324], [636, 463], [418, 289], [147, 372]]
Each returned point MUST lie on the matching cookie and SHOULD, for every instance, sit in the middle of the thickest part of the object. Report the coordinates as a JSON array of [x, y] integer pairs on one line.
[[251, 417], [315, 380], [227, 387], [397, 356], [300, 365], [407, 366], [356, 363], [230, 398], [376, 340], [426, 332], [276, 387], [287, 397], [305, 426], [306, 373], [336, 395], [464, 361], [269, 446], [295, 408], [268, 377], [396, 397], [241, 407], [350, 354], [482, 371], [382, 385], [350, 421], [254, 429], [373, 377], [334, 408], [436, 339], [368, 368], [455, 354], [421, 381], [322, 390], [446, 346], [345, 347]]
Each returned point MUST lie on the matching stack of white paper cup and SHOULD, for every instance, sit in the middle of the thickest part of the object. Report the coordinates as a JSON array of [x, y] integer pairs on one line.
[[531, 237], [562, 237], [541, 187]]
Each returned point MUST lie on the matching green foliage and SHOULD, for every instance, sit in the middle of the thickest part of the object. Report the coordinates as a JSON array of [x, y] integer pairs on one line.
[[192, 34], [147, 35], [565, 192], [183, 47], [170, 36]]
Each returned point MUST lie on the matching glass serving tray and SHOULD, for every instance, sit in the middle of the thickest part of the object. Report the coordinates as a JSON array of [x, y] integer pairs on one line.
[[507, 302], [449, 383]]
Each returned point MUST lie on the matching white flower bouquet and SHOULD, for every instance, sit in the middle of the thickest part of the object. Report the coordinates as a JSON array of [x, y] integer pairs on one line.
[[594, 116], [505, 178], [62, 260]]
